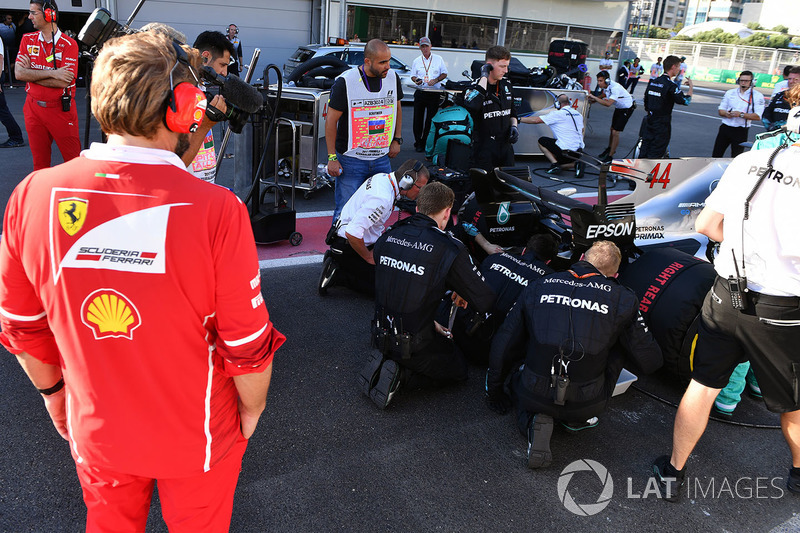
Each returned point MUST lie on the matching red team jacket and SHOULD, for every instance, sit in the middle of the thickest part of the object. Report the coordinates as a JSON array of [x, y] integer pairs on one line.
[[143, 283]]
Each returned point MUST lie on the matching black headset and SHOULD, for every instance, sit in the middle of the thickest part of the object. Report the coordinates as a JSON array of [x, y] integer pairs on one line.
[[556, 103], [407, 181]]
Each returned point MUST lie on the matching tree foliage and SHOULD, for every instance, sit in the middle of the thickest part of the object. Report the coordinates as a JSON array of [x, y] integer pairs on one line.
[[780, 28]]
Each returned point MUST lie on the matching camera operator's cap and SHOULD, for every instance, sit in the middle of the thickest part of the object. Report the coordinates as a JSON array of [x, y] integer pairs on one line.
[[683, 57], [424, 42]]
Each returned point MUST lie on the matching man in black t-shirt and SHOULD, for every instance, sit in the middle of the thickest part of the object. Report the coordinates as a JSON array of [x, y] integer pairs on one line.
[[359, 147]]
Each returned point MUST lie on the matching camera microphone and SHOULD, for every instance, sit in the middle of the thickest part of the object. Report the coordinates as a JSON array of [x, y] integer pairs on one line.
[[241, 94]]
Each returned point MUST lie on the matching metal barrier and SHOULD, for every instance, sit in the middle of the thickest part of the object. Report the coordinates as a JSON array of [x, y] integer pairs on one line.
[[717, 62]]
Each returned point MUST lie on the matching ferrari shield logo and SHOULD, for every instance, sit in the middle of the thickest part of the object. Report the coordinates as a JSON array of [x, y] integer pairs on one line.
[[503, 214], [71, 214]]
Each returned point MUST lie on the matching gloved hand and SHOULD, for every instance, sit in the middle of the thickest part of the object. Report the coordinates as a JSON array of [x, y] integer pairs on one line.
[[498, 401], [486, 69], [513, 135]]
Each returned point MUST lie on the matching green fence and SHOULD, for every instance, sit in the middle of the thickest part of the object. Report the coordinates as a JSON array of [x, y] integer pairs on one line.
[[767, 81]]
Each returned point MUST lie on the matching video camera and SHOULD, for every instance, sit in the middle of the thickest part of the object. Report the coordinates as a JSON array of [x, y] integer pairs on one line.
[[242, 99]]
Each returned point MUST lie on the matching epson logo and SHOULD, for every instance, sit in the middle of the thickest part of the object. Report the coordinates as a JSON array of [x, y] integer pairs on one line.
[[609, 230]]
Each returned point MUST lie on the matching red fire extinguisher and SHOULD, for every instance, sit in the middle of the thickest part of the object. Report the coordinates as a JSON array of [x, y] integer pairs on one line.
[[587, 82]]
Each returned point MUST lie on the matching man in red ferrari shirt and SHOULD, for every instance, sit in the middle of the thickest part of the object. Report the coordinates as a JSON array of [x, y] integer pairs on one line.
[[48, 61], [130, 293]]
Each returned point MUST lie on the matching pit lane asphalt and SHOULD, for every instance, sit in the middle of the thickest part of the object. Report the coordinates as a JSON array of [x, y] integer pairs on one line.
[[324, 458]]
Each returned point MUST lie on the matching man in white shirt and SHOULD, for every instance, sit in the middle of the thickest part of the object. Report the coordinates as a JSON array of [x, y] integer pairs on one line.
[[738, 107], [567, 127], [682, 72], [656, 69], [606, 63], [784, 83], [427, 71], [362, 222], [616, 95]]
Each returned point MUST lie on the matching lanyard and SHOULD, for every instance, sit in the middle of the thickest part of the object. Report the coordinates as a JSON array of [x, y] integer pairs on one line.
[[366, 84], [430, 62], [584, 276]]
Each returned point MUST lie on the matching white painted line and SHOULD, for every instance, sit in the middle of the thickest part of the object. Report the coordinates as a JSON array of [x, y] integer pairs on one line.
[[290, 261], [315, 214], [793, 524], [753, 123]]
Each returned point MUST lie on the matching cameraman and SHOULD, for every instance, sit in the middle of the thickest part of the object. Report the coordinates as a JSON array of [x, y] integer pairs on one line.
[[216, 51], [160, 343]]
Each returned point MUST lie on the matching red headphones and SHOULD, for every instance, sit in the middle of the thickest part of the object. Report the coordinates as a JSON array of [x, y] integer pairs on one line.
[[186, 104], [50, 12]]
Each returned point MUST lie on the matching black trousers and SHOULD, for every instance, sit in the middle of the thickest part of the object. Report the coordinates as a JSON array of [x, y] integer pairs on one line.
[[655, 133], [528, 403], [426, 104], [437, 364], [352, 270], [7, 119], [490, 153], [729, 136]]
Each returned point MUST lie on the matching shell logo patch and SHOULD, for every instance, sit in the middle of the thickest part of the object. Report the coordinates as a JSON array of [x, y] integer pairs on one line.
[[109, 313], [72, 214]]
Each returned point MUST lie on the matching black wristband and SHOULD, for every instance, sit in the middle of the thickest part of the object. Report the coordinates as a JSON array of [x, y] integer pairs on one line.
[[54, 389]]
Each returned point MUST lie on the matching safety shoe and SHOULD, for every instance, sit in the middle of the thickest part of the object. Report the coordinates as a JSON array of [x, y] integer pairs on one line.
[[328, 272], [370, 373], [793, 481], [12, 144], [554, 169], [387, 385], [607, 159], [539, 432], [580, 169], [669, 478], [578, 426], [604, 154]]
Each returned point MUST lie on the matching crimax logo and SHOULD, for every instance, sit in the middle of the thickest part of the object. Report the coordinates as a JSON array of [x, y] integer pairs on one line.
[[609, 230], [585, 509]]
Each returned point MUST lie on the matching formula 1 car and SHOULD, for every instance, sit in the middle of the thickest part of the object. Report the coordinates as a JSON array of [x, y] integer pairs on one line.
[[664, 258]]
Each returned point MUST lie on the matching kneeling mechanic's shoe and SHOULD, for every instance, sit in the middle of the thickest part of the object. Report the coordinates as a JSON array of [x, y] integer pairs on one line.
[[328, 272], [387, 385], [369, 375], [793, 483], [539, 433], [670, 479], [553, 170]]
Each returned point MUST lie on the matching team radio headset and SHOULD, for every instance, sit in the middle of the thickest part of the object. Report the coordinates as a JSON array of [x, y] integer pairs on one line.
[[186, 104]]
